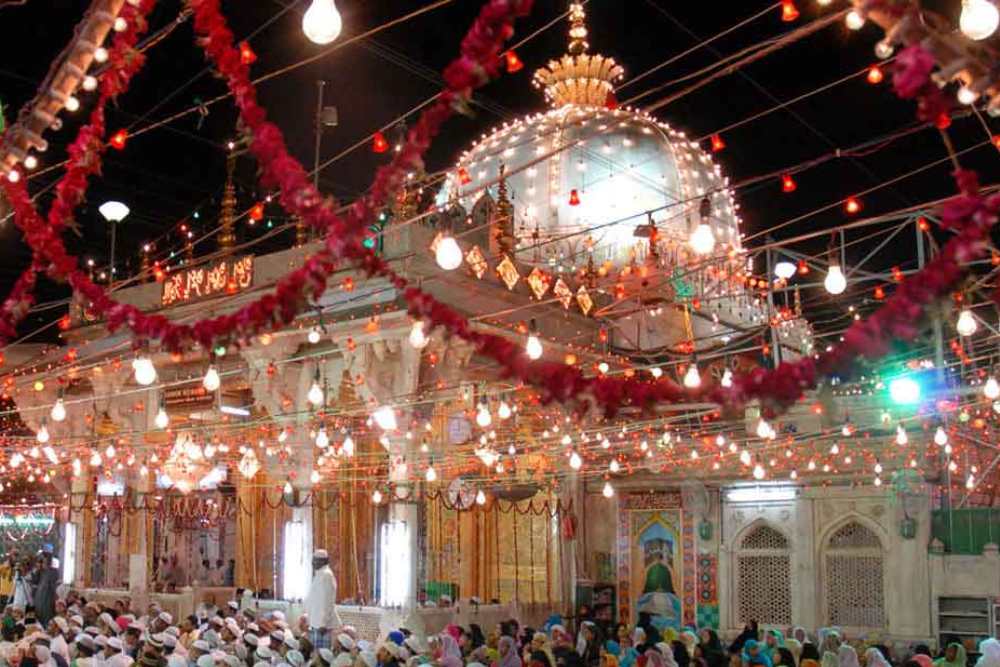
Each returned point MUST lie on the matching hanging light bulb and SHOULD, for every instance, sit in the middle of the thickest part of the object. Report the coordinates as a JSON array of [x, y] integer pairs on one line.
[[316, 396], [322, 22], [727, 379], [77, 467], [991, 389], [759, 472], [503, 410], [970, 482], [854, 20], [745, 457], [211, 381], [847, 429], [95, 459], [979, 19], [314, 477], [287, 488], [763, 428], [533, 346], [608, 491], [447, 254], [385, 417], [431, 474], [966, 324], [376, 497], [483, 416], [314, 335], [575, 462], [614, 466], [835, 282], [692, 378], [702, 240], [43, 433], [58, 412], [322, 439], [162, 419], [940, 437], [480, 497], [144, 370], [418, 339], [901, 437], [878, 481]]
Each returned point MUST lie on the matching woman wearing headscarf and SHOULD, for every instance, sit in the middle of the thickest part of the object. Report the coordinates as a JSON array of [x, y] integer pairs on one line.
[[922, 659], [508, 653], [774, 638], [794, 647], [690, 640], [609, 654], [847, 656], [954, 656], [711, 648], [755, 654], [798, 633], [989, 650], [874, 658], [750, 632], [451, 654], [680, 653], [588, 644], [809, 652]]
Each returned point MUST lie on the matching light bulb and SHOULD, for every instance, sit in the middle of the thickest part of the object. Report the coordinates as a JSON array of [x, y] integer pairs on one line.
[[692, 378], [483, 416], [50, 454], [503, 410], [322, 439], [120, 24], [533, 347], [763, 428], [966, 324], [940, 437], [43, 434], [376, 497], [385, 417], [991, 389], [727, 379], [835, 282], [322, 22], [211, 381], [347, 448], [58, 413], [287, 488], [283, 435], [431, 474], [702, 240], [480, 497], [884, 49], [101, 54], [966, 95], [758, 471], [162, 419], [854, 20], [970, 483], [95, 459], [575, 462], [608, 491], [72, 104], [979, 19], [878, 481], [315, 395], [144, 370], [901, 437], [89, 83], [448, 255], [77, 467], [745, 458], [418, 339], [314, 477], [614, 466], [656, 372], [314, 335]]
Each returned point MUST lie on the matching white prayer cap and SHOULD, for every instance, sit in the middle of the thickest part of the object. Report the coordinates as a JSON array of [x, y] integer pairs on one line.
[[115, 643], [321, 554], [206, 660], [343, 660], [345, 641], [166, 617], [326, 655], [175, 660]]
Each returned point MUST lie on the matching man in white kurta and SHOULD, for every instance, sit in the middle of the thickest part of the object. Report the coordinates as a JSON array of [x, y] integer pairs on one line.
[[320, 604]]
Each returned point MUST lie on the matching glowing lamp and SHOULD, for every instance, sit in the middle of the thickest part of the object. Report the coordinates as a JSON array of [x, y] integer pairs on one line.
[[42, 436], [940, 437], [247, 56], [533, 345], [463, 176], [717, 143], [574, 198], [385, 417], [322, 439], [144, 371], [447, 254], [785, 270], [431, 474], [904, 391], [759, 472], [376, 497], [608, 491], [314, 335], [901, 438], [483, 416], [417, 338], [514, 63], [322, 22], [702, 240], [58, 412], [854, 20], [575, 462], [118, 139], [789, 12], [979, 19], [480, 497], [727, 379], [991, 389], [113, 211], [692, 378], [852, 205], [503, 410], [257, 212], [875, 75], [835, 281], [211, 381], [379, 143], [162, 419], [966, 324], [788, 183], [315, 395]]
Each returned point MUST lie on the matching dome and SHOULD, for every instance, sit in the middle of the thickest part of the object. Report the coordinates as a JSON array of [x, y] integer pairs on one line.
[[588, 178]]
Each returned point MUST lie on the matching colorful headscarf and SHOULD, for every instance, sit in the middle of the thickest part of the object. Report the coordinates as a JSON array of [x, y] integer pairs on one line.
[[874, 658], [847, 656], [761, 657], [922, 660], [990, 650], [510, 658]]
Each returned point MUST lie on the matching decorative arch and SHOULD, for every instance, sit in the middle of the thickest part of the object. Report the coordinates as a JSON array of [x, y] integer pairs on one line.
[[762, 573], [853, 565]]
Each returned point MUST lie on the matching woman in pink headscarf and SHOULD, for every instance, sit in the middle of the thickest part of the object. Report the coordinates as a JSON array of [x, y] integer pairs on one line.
[[451, 655]]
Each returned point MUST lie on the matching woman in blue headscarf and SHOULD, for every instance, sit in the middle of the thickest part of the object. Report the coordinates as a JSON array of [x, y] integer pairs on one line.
[[755, 654]]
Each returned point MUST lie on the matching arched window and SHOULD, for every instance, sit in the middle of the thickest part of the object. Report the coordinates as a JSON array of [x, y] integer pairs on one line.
[[853, 578], [763, 568]]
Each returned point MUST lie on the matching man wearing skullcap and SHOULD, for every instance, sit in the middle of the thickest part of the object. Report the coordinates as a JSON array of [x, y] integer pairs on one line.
[[320, 604], [57, 630]]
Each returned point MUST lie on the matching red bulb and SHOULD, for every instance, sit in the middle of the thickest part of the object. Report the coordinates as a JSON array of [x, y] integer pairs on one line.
[[788, 183], [789, 12], [943, 121], [803, 268], [611, 101], [514, 63], [996, 141], [879, 293], [574, 198], [247, 56], [463, 176], [875, 75], [379, 144], [717, 143], [257, 212], [852, 205], [119, 138]]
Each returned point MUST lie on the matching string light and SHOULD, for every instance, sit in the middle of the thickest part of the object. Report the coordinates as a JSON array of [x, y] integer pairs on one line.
[[692, 378], [211, 381], [447, 254], [979, 19], [322, 22], [991, 389], [418, 339], [966, 324], [901, 437], [835, 281], [376, 497], [575, 462], [533, 345], [322, 439], [385, 417], [480, 497], [727, 379], [940, 437], [431, 474], [854, 20], [503, 410], [42, 436], [144, 370], [608, 491], [314, 335], [483, 416], [58, 412], [702, 240]]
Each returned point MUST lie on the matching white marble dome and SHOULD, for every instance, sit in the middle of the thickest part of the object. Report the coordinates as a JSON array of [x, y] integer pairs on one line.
[[622, 165]]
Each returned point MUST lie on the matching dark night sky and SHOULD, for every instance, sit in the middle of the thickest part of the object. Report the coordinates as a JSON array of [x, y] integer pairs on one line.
[[167, 174]]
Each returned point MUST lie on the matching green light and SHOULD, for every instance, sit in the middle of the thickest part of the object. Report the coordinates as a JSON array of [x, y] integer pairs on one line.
[[368, 243], [220, 351], [904, 391]]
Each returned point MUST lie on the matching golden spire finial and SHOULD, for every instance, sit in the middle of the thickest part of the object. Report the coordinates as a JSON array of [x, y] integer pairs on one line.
[[578, 77], [227, 216]]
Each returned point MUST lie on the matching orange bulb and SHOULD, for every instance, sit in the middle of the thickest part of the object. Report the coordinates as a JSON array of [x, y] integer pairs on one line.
[[879, 293], [717, 143], [996, 141], [118, 139], [257, 212], [788, 183], [875, 75], [514, 63], [789, 12], [379, 144], [463, 176], [922, 224], [611, 101], [574, 198], [247, 56], [852, 205], [803, 268], [943, 121]]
